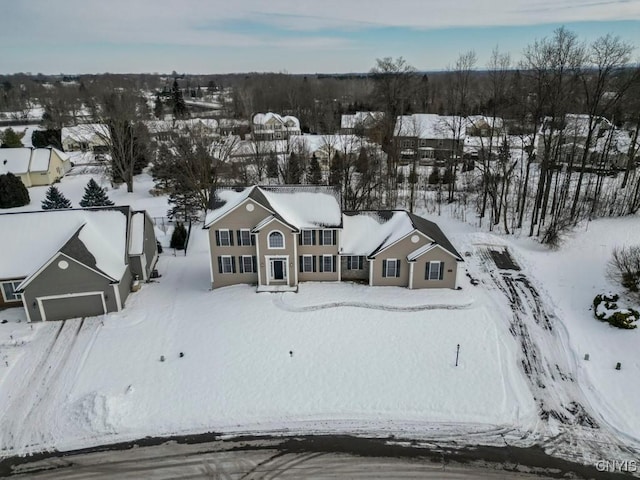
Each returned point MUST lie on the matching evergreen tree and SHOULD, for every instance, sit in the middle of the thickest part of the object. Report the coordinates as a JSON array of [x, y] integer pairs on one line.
[[434, 176], [95, 196], [178, 237], [13, 193], [55, 200], [272, 166], [362, 162], [10, 139], [335, 171], [46, 138], [294, 172], [314, 174], [158, 109], [179, 105]]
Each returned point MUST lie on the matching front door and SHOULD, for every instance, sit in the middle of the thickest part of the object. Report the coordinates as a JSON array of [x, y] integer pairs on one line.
[[278, 269]]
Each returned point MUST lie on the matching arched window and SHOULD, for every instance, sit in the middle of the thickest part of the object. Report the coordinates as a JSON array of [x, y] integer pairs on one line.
[[276, 240]]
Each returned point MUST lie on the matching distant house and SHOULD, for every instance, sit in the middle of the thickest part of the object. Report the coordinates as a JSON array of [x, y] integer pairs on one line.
[[277, 237], [271, 126], [61, 264], [35, 166], [85, 137], [483, 126], [325, 147], [359, 123], [166, 130], [234, 126], [428, 138]]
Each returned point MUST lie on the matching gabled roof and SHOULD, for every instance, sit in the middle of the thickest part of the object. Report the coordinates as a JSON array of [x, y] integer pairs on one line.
[[370, 232], [94, 237], [299, 206], [14, 160], [288, 121]]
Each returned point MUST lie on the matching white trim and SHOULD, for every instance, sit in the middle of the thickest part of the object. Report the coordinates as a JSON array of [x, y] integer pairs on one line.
[[248, 230], [116, 292], [310, 230], [4, 296], [242, 257], [228, 230], [370, 272], [43, 317], [307, 256], [258, 259], [26, 308], [413, 256], [329, 230], [411, 265], [237, 206], [284, 241], [296, 267], [222, 257], [31, 277], [267, 265], [211, 257], [395, 272], [260, 226], [333, 263], [338, 257]]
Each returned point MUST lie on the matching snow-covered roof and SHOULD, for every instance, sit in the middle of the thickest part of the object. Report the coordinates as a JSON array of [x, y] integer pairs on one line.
[[14, 160], [366, 233], [359, 119], [85, 132], [136, 236], [327, 143], [299, 206], [37, 236], [40, 159], [479, 121], [429, 126], [576, 125], [288, 121]]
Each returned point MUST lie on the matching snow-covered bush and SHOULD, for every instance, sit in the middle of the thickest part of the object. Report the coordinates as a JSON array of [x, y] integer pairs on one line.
[[605, 308]]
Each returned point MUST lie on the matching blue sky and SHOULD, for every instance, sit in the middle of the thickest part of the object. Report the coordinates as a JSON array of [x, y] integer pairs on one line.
[[302, 36]]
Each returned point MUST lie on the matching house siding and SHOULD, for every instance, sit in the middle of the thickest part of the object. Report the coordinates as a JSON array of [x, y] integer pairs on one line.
[[124, 286], [355, 274], [4, 304], [318, 251], [435, 255], [290, 240], [75, 279], [150, 244], [240, 218], [398, 251]]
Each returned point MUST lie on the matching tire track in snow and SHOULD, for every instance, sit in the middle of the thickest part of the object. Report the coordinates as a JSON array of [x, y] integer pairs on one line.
[[279, 302]]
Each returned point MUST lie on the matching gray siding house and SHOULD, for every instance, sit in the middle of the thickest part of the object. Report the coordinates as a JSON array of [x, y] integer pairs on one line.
[[277, 237], [74, 263]]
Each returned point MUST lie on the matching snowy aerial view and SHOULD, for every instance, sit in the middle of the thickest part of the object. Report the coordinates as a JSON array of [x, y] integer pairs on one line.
[[427, 266]]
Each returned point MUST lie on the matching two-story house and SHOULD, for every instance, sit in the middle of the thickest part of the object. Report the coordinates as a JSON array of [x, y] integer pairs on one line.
[[277, 236], [271, 126], [428, 138]]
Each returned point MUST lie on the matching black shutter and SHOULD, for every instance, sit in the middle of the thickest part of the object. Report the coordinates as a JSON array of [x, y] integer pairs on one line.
[[300, 237], [384, 268], [335, 237], [333, 258], [314, 263], [255, 264], [219, 263], [233, 264], [321, 239], [441, 270], [397, 268], [349, 262], [239, 238], [231, 237], [300, 261], [313, 237], [241, 263], [360, 260], [426, 272], [321, 260], [218, 238], [253, 238]]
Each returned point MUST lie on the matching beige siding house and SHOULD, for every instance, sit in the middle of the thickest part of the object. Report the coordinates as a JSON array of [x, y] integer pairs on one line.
[[277, 237], [35, 166]]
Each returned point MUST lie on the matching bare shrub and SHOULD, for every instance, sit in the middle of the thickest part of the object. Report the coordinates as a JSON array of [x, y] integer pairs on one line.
[[624, 267]]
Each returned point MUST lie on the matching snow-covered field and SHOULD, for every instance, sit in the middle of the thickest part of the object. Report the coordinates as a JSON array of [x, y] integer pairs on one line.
[[331, 358]]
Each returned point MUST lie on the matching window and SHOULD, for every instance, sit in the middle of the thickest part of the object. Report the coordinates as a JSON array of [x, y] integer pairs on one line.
[[247, 264], [308, 237], [354, 262], [434, 271], [327, 263], [328, 237], [226, 264], [307, 263], [391, 268], [224, 238], [244, 237], [9, 291], [276, 240]]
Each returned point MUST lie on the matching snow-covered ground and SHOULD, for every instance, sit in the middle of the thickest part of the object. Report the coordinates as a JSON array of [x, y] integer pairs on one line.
[[333, 357]]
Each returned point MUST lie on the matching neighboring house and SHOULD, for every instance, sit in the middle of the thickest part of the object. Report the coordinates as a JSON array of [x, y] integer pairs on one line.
[[271, 126], [85, 137], [166, 130], [360, 123], [324, 147], [61, 264], [483, 126], [276, 237], [234, 126], [35, 166], [428, 138]]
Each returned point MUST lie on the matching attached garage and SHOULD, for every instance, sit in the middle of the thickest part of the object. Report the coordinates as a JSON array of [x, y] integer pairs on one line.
[[87, 304]]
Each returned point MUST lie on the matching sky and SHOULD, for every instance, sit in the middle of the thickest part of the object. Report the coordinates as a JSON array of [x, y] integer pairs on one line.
[[295, 36]]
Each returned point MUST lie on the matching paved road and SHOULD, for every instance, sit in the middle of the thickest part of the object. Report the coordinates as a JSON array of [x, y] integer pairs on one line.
[[327, 457]]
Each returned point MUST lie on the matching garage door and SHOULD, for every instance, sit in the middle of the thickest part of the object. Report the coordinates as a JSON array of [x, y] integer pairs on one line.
[[72, 307]]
